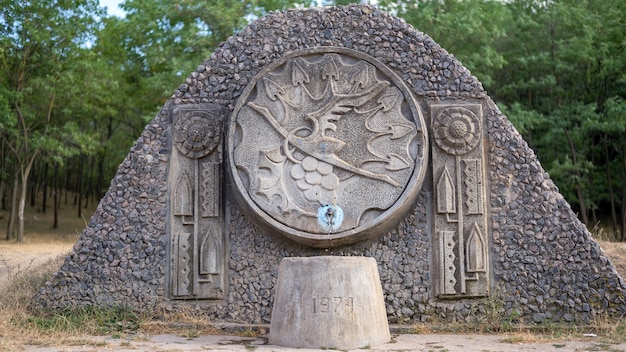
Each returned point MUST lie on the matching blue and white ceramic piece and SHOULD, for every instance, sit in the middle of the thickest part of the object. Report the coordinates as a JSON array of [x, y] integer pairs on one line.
[[329, 217]]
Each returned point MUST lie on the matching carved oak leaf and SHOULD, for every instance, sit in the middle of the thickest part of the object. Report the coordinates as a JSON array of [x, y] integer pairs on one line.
[[272, 88], [330, 69], [361, 77], [377, 147], [399, 131], [273, 161], [388, 101], [326, 121], [395, 162], [298, 75]]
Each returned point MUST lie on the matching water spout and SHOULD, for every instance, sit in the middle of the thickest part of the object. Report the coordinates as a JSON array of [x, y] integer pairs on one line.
[[329, 217]]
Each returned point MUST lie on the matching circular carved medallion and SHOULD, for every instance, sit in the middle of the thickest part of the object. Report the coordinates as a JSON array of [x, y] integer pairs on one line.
[[327, 147]]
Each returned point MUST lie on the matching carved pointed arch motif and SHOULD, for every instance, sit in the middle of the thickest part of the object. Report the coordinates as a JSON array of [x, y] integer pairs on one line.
[[211, 253], [446, 193], [183, 196], [476, 251]]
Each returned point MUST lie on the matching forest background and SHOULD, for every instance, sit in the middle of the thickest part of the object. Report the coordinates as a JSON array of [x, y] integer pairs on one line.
[[77, 86]]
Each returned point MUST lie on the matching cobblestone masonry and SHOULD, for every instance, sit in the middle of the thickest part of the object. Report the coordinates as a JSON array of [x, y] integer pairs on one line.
[[545, 264]]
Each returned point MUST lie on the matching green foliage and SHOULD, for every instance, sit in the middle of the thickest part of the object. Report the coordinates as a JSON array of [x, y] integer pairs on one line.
[[77, 85], [525, 120], [42, 42], [142, 58], [470, 30], [565, 65]]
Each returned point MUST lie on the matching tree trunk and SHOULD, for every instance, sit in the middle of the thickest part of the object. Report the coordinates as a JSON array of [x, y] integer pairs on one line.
[[55, 199], [69, 167], [33, 189], [24, 173], [2, 193], [100, 181], [20, 210], [3, 174], [579, 187], [45, 189], [610, 184], [623, 227], [593, 213], [13, 212], [79, 196], [89, 190], [65, 189]]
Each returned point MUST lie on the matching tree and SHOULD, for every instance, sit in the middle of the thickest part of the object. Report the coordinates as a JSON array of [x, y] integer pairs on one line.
[[40, 41], [163, 41], [471, 30], [565, 61]]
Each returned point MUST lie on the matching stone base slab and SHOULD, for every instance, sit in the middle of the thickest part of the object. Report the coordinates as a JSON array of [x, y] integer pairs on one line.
[[329, 302]]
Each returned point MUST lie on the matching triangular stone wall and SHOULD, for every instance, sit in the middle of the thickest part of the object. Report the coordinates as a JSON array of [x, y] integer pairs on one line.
[[484, 225]]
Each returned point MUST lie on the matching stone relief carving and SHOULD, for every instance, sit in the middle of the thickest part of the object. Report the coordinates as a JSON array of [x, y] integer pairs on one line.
[[461, 245], [325, 145], [197, 242]]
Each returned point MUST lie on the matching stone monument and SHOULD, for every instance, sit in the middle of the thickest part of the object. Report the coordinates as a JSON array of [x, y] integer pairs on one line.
[[342, 132], [329, 302]]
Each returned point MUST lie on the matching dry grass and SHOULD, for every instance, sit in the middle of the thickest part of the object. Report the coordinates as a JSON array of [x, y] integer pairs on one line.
[[185, 322], [24, 269], [15, 307], [23, 324], [616, 252]]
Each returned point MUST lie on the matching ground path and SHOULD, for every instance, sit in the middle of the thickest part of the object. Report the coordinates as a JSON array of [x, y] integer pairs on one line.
[[403, 342]]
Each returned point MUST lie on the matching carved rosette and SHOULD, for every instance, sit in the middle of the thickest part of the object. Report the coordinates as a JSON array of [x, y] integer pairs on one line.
[[456, 130], [327, 127], [196, 136]]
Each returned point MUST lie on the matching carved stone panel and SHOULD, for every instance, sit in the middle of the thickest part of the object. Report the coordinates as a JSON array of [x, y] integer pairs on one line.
[[197, 242], [327, 147], [461, 243]]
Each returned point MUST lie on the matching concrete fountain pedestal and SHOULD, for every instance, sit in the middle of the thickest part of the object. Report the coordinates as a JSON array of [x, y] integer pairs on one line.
[[329, 302]]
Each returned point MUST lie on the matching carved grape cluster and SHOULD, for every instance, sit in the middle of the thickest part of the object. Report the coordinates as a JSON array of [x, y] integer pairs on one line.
[[316, 180]]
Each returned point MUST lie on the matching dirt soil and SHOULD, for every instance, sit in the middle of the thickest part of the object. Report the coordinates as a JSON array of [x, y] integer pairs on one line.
[[17, 259]]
